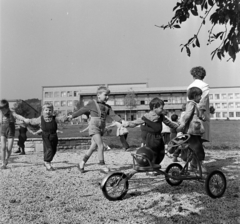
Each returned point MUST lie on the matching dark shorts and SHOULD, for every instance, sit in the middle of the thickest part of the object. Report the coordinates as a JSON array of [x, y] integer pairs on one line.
[[8, 130]]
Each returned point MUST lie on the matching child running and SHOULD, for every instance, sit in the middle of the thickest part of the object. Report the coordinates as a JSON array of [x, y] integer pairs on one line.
[[151, 131], [7, 121], [48, 127], [99, 111], [191, 124]]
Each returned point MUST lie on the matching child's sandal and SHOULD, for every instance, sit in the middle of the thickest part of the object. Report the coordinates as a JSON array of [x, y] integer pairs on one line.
[[80, 169]]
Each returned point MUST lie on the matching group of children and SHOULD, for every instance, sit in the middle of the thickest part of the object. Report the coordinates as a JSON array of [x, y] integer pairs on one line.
[[98, 110]]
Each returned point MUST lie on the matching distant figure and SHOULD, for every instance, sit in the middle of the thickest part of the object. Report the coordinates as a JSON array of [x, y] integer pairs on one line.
[[22, 138]]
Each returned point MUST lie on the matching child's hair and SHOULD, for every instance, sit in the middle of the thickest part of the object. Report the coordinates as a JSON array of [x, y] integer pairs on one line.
[[155, 103], [47, 105], [193, 92], [198, 72], [183, 106], [174, 117], [103, 89], [4, 104]]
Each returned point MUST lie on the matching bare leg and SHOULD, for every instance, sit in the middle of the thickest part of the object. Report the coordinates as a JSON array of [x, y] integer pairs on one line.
[[98, 139], [3, 148], [9, 149], [88, 154]]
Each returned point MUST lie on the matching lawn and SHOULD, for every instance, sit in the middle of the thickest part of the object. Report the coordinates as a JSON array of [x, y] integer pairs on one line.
[[224, 134]]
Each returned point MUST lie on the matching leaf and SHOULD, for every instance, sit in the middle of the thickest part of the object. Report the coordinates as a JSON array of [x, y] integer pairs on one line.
[[210, 2], [195, 13], [197, 42], [203, 21], [177, 26], [219, 55], [231, 52], [188, 51], [193, 45]]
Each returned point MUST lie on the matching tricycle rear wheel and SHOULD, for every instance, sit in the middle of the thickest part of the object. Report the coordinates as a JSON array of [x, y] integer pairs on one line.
[[215, 184], [173, 170]]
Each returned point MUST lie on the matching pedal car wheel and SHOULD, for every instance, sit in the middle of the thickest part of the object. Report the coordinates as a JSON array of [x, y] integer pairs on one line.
[[115, 186], [215, 184], [173, 170]]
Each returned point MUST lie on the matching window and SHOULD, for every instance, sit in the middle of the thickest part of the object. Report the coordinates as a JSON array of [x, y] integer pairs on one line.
[[210, 96], [119, 102], [217, 96], [63, 103], [75, 93], [231, 114], [56, 94], [217, 105], [237, 95], [230, 96], [224, 96], [69, 93], [224, 105], [48, 94], [237, 114], [217, 114], [56, 103], [225, 114], [70, 103], [230, 105], [63, 94], [237, 104], [142, 102]]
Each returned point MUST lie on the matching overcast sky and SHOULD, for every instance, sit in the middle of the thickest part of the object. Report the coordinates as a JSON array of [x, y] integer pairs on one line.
[[76, 42]]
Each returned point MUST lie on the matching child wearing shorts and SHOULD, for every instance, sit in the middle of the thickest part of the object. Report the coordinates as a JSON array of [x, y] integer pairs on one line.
[[7, 122], [98, 110]]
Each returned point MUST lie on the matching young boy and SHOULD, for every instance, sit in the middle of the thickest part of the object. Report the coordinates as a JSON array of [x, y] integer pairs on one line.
[[7, 122], [48, 127], [191, 124], [98, 110], [151, 131]]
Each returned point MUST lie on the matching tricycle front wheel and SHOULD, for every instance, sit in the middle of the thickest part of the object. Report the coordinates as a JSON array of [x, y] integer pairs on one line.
[[115, 187], [215, 184], [173, 170]]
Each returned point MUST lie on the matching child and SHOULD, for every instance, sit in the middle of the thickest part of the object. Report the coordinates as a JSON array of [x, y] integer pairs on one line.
[[191, 124], [173, 134], [165, 130], [48, 127], [151, 131], [7, 121], [99, 111], [122, 132]]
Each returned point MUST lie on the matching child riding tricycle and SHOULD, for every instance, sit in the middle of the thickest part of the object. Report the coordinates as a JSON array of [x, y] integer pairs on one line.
[[115, 185]]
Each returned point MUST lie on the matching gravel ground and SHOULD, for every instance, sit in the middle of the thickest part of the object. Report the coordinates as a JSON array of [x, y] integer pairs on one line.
[[30, 194]]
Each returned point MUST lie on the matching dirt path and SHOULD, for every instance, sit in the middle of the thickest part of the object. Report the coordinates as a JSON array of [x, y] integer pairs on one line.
[[30, 194]]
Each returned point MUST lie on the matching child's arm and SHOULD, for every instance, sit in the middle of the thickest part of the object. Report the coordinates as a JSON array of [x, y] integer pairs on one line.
[[169, 123], [37, 132], [85, 129], [84, 110], [35, 121], [20, 118], [132, 124], [153, 126]]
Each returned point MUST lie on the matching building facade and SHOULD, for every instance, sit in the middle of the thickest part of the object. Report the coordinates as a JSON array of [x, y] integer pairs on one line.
[[225, 100], [65, 98]]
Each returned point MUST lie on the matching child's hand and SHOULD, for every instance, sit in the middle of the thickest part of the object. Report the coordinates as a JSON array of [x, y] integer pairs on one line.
[[69, 117], [125, 123], [26, 121]]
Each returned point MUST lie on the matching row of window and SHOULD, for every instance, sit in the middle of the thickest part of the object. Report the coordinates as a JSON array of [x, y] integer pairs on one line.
[[61, 94], [225, 105], [224, 96], [225, 114], [68, 103]]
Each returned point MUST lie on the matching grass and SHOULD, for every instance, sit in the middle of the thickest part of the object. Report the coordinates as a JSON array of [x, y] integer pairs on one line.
[[224, 134]]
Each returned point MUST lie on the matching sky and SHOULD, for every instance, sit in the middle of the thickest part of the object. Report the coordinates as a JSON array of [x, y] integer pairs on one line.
[[82, 42]]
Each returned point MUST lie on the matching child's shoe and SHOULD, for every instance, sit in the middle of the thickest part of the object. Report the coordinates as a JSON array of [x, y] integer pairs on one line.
[[3, 167], [175, 159], [48, 166]]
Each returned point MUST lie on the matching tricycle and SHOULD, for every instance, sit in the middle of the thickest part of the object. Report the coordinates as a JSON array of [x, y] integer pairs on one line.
[[115, 184]]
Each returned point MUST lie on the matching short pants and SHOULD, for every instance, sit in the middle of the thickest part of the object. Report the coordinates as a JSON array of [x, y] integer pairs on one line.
[[8, 130], [96, 126]]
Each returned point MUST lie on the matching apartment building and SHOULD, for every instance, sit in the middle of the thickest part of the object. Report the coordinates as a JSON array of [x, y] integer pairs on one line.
[[226, 101], [65, 98]]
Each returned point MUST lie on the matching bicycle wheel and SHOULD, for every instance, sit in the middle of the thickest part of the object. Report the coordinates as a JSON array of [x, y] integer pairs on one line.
[[215, 184], [115, 186], [173, 170]]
